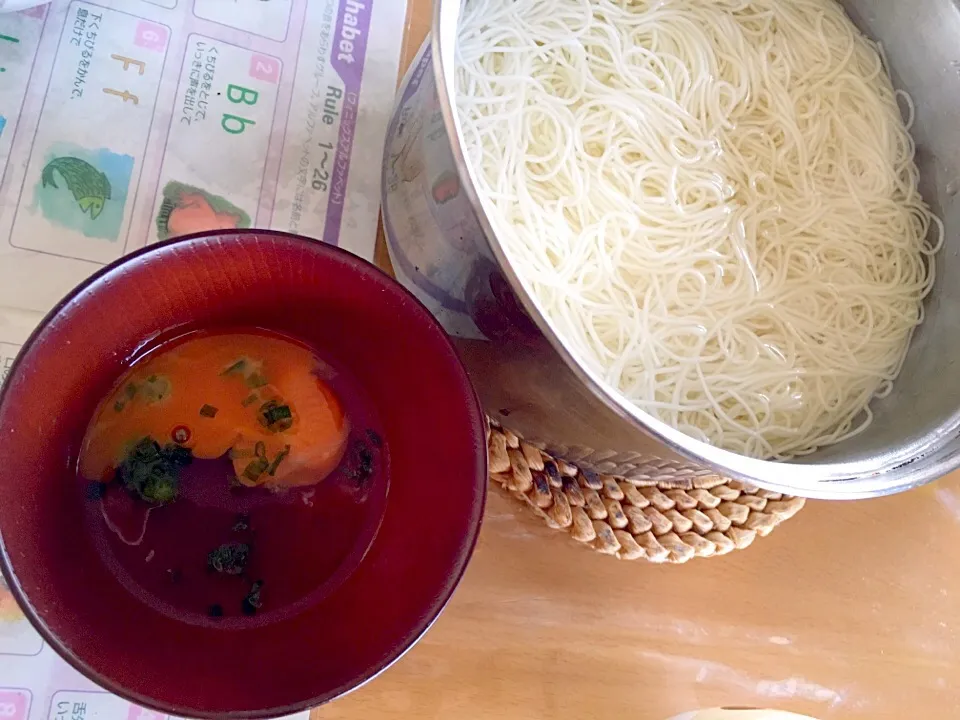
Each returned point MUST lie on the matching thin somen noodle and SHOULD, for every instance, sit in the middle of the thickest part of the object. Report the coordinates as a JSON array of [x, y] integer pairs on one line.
[[715, 204]]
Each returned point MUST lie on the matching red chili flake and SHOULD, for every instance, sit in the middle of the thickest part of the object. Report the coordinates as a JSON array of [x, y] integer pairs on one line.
[[181, 434]]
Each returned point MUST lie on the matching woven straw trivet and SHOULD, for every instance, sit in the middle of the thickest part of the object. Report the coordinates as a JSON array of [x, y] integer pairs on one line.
[[669, 514]]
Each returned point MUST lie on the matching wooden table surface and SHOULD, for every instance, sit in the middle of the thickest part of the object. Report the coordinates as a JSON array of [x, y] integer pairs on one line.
[[849, 610]]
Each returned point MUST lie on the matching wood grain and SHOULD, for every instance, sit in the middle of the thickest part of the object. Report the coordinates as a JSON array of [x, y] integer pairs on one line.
[[850, 610]]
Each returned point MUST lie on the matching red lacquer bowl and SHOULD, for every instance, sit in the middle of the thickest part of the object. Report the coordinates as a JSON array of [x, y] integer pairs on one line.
[[431, 420]]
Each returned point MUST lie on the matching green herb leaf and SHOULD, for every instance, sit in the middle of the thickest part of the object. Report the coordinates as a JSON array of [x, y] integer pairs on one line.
[[229, 558], [160, 489], [177, 455], [209, 411], [253, 602], [276, 417], [152, 471], [359, 463]]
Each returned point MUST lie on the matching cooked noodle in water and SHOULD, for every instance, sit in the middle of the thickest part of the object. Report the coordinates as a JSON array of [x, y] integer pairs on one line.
[[715, 204]]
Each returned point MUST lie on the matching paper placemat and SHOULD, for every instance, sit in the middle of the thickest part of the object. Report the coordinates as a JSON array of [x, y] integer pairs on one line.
[[125, 122], [35, 683]]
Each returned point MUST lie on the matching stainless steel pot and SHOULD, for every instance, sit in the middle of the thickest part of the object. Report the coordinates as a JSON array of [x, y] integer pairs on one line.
[[443, 248]]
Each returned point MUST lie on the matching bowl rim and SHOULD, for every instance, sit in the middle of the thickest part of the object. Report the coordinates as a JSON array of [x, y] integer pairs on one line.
[[439, 600]]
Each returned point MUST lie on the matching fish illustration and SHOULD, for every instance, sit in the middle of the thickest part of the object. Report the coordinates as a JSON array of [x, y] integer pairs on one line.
[[89, 186], [186, 209]]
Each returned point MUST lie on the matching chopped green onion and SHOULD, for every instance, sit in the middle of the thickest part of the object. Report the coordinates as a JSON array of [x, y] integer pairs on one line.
[[156, 388], [272, 470], [256, 380], [209, 411], [255, 469], [238, 366], [129, 393]]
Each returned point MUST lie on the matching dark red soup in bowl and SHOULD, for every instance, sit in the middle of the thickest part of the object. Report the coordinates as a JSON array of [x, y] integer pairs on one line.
[[240, 474]]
